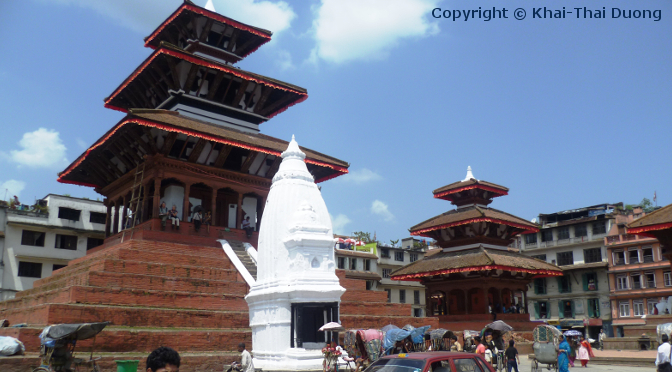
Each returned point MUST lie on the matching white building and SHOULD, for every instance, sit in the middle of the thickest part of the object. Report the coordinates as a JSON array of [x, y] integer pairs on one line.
[[573, 240], [36, 244], [404, 292]]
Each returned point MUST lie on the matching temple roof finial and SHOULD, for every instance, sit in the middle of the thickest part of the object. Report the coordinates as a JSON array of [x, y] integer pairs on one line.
[[469, 174], [210, 6]]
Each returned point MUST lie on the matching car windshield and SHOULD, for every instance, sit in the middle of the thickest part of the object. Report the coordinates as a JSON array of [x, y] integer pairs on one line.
[[396, 365]]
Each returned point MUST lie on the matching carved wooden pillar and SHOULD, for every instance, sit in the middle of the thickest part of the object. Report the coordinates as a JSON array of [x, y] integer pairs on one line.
[[239, 213], [115, 222], [108, 217], [145, 203], [213, 207], [185, 209], [157, 197]]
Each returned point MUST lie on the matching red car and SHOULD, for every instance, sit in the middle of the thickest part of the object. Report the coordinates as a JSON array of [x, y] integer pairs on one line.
[[431, 361]]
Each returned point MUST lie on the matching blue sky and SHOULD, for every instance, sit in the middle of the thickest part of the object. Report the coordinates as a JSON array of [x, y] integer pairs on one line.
[[565, 112]]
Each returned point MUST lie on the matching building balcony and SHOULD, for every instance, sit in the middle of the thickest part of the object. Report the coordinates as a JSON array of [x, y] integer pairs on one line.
[[623, 238], [28, 213]]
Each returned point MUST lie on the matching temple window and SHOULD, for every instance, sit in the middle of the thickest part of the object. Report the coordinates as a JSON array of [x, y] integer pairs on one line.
[[399, 256], [647, 254], [580, 231], [69, 214], [540, 286], [590, 282], [592, 255], [33, 238], [565, 258], [563, 233], [66, 242], [564, 284], [30, 269]]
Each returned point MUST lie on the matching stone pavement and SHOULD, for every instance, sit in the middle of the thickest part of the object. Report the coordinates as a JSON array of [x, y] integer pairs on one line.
[[609, 360]]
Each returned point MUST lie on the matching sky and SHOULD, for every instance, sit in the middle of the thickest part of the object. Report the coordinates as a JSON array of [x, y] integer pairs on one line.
[[565, 112]]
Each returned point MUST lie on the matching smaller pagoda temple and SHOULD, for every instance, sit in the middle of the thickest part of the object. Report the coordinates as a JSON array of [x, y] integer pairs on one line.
[[475, 271]]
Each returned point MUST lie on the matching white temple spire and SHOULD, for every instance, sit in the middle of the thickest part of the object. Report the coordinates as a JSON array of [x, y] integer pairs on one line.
[[210, 6], [469, 174]]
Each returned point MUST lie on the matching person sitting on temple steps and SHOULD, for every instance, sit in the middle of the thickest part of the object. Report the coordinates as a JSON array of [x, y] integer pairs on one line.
[[172, 214], [246, 226], [163, 215]]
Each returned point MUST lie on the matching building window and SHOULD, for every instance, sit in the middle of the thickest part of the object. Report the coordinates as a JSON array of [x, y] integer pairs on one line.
[[651, 306], [622, 282], [590, 282], [93, 243], [566, 308], [580, 231], [633, 256], [66, 242], [367, 265], [564, 284], [624, 309], [667, 276], [531, 238], [34, 238], [650, 280], [541, 310], [69, 214], [389, 295], [593, 308], [386, 273], [619, 258], [540, 257], [30, 269], [647, 254], [341, 263], [638, 307], [402, 296], [565, 258], [417, 313], [599, 227], [547, 235], [563, 233], [95, 217], [416, 297], [399, 256], [57, 267], [592, 255], [540, 286], [353, 264], [384, 253], [636, 281], [413, 257], [369, 285]]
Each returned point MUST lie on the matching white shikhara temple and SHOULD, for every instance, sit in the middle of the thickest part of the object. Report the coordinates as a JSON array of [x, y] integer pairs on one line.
[[297, 290]]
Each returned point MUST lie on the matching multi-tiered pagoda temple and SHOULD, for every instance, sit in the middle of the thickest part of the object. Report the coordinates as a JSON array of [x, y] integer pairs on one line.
[[191, 134], [475, 271]]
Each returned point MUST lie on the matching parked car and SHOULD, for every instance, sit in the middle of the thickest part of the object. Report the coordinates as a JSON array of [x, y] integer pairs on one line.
[[431, 361]]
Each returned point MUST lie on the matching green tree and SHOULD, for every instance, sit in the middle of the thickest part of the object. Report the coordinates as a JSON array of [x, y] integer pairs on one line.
[[363, 236], [646, 205], [394, 242]]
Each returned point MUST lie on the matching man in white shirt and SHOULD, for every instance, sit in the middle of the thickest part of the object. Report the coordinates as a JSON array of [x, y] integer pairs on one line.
[[246, 364], [663, 357]]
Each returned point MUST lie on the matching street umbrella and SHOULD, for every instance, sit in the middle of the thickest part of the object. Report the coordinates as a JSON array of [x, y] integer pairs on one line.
[[408, 327], [198, 208], [332, 326], [389, 327], [499, 325], [573, 333]]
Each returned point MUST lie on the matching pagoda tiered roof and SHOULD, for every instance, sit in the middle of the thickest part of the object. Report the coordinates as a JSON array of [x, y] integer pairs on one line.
[[470, 215], [169, 70], [209, 147], [198, 29], [452, 192], [660, 219], [476, 260]]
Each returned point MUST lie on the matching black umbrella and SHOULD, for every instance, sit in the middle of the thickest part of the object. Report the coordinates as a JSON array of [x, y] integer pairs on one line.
[[499, 325], [198, 208]]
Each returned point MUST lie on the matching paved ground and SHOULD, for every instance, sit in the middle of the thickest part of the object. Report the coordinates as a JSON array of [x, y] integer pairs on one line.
[[526, 364]]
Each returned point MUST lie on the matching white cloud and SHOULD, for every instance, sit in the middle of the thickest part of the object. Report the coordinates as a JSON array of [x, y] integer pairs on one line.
[[381, 209], [338, 223], [82, 144], [284, 60], [41, 148], [144, 16], [360, 176], [346, 30], [11, 188]]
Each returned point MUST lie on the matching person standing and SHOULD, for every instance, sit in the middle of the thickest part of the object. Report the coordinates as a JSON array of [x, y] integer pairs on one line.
[[197, 219], [601, 338], [454, 344], [572, 351], [663, 357], [245, 364], [584, 353], [163, 359], [163, 215], [563, 355], [480, 348], [512, 358]]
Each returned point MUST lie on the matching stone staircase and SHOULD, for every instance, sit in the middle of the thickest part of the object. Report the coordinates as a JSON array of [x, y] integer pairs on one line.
[[239, 248]]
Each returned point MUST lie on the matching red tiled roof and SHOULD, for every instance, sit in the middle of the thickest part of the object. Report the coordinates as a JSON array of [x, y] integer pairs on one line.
[[468, 215], [659, 219], [476, 259], [456, 187]]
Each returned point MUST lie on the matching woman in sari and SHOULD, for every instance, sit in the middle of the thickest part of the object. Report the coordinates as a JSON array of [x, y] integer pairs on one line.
[[563, 355], [585, 352], [573, 345]]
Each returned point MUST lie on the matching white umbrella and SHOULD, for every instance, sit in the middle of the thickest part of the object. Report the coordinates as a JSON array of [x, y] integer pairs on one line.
[[332, 326]]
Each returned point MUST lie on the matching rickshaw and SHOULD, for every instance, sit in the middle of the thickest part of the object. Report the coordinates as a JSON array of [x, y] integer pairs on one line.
[[497, 330], [469, 344], [57, 346], [438, 337], [545, 343], [412, 337]]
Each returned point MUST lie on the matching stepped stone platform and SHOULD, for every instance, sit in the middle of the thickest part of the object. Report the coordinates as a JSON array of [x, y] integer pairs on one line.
[[160, 292]]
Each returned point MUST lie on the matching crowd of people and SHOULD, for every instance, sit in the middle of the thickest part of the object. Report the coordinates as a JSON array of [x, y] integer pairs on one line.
[[199, 219]]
